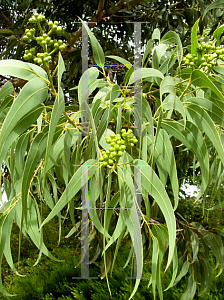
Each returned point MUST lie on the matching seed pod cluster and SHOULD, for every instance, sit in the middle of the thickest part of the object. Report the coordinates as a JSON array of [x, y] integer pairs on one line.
[[49, 45], [118, 144], [209, 56]]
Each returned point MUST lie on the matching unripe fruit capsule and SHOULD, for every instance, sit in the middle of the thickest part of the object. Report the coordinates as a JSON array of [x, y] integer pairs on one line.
[[110, 162]]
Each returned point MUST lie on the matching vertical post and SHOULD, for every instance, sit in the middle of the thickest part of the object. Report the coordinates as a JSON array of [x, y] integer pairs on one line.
[[85, 87], [84, 189]]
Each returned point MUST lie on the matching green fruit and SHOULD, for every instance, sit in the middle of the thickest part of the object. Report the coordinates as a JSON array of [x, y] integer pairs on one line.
[[120, 153], [113, 144], [131, 144], [111, 149], [113, 154], [123, 147], [105, 164], [101, 159], [116, 147], [110, 162]]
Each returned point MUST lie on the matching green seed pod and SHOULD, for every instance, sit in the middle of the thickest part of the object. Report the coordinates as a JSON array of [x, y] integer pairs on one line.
[[113, 144], [59, 29], [108, 140], [101, 159], [113, 154], [54, 27], [123, 147], [56, 45], [105, 156], [39, 61], [110, 162], [132, 145], [105, 164], [111, 149], [50, 24], [116, 147], [62, 47], [120, 153]]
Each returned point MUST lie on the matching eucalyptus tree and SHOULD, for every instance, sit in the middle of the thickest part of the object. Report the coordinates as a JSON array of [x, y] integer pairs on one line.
[[132, 167]]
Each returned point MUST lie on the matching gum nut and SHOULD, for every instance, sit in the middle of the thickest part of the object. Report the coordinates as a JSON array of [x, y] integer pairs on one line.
[[123, 147], [61, 47], [45, 54], [49, 57], [111, 149], [129, 131], [35, 60], [132, 145], [56, 23], [120, 153], [116, 147], [55, 45], [105, 156], [59, 29], [46, 59], [122, 142], [50, 23], [101, 159], [39, 61], [112, 135], [54, 27], [48, 40], [119, 142], [44, 35], [113, 144], [36, 15], [110, 162], [113, 154], [123, 130], [105, 164]]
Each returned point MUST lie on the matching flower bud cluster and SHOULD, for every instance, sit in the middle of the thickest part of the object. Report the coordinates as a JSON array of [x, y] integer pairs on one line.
[[49, 45], [118, 145], [209, 56]]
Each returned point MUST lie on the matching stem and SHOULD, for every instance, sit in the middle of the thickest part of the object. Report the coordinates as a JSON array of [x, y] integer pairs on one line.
[[187, 87]]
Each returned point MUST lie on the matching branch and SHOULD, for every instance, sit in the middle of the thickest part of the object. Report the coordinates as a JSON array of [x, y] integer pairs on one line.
[[100, 15]]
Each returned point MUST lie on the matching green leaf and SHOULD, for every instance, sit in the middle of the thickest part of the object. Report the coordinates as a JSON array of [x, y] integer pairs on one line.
[[148, 49], [155, 188], [216, 4], [58, 108], [156, 34], [192, 138], [200, 79], [214, 108], [170, 38], [98, 54], [218, 32], [123, 61], [20, 69], [206, 277], [190, 289], [165, 161], [35, 153], [29, 98], [143, 73], [87, 84], [74, 185], [205, 123], [6, 32], [194, 38], [6, 90]]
